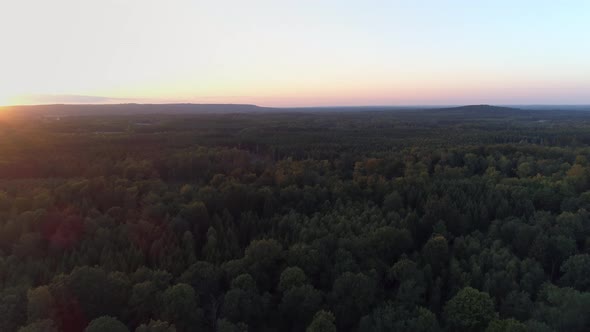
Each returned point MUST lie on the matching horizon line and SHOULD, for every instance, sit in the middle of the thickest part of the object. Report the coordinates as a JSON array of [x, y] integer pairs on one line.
[[291, 107]]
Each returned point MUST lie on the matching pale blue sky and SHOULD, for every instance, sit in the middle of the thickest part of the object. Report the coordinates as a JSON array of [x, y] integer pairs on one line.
[[296, 53]]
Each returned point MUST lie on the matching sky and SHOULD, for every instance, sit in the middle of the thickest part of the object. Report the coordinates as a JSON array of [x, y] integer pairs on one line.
[[295, 52]]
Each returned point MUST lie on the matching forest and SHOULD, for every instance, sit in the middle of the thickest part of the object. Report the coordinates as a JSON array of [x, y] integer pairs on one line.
[[460, 219]]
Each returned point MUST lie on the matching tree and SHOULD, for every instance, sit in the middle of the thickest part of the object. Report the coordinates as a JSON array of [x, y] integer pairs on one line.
[[244, 282], [223, 325], [106, 323], [13, 308], [98, 293], [469, 310], [298, 305], [436, 252], [262, 258], [506, 325], [144, 300], [559, 248], [306, 257], [393, 201], [404, 269], [291, 277], [197, 215], [179, 305], [323, 321], [205, 278], [563, 309], [211, 248], [536, 326], [156, 326], [40, 303], [188, 246], [410, 292], [44, 325], [532, 276], [352, 296], [524, 170], [242, 303], [398, 318], [576, 272], [388, 243], [516, 304]]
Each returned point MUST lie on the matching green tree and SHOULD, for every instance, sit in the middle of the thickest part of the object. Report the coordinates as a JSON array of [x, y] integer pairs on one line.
[[506, 325], [40, 304], [306, 257], [205, 278], [398, 318], [44, 325], [404, 269], [188, 246], [393, 202], [197, 215], [352, 296], [224, 325], [242, 303], [576, 272], [211, 249], [106, 323], [263, 258], [469, 310], [144, 300], [179, 306], [536, 326], [388, 243], [563, 309], [323, 321], [516, 304], [291, 277], [156, 326], [524, 170], [98, 293], [298, 305], [436, 252], [13, 308]]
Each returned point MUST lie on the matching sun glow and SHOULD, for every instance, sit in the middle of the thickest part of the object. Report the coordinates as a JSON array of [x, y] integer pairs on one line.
[[6, 100]]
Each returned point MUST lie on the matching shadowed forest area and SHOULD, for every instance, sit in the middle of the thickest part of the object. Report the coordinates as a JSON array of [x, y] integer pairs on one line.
[[459, 219]]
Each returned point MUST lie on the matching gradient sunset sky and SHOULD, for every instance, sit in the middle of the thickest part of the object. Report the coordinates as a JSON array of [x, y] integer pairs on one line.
[[295, 53]]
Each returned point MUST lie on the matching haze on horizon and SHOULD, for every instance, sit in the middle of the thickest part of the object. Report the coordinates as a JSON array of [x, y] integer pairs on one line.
[[295, 53]]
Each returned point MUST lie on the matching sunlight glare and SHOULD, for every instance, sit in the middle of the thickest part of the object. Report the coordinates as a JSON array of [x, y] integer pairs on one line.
[[5, 100]]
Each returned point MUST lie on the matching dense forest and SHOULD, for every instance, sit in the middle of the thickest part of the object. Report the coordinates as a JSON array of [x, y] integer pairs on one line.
[[459, 219]]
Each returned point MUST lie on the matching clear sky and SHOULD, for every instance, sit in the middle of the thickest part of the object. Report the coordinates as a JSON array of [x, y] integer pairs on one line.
[[295, 52]]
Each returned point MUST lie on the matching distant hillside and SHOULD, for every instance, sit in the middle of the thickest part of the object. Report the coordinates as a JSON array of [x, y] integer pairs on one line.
[[474, 112], [479, 109], [130, 109]]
